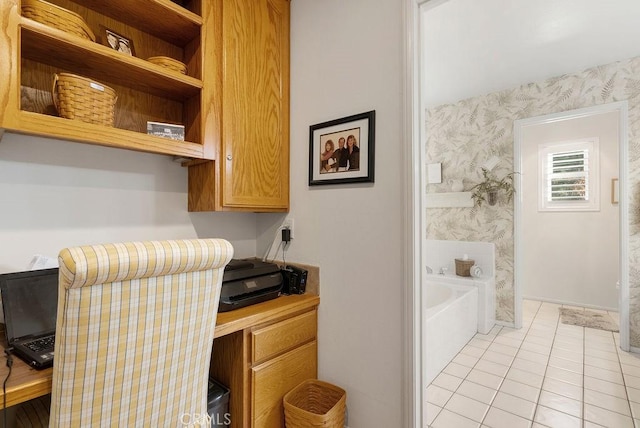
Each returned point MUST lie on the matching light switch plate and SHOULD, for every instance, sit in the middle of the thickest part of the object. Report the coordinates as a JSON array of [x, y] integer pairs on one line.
[[434, 173]]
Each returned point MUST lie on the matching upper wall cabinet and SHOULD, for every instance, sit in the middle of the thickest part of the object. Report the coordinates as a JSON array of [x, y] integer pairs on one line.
[[33, 51], [252, 170]]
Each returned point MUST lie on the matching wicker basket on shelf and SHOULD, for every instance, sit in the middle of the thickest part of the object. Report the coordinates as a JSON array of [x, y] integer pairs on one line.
[[79, 98], [463, 267], [169, 63], [314, 403], [57, 17]]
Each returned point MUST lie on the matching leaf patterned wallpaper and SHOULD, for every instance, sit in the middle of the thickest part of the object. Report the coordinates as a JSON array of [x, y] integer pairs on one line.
[[464, 135]]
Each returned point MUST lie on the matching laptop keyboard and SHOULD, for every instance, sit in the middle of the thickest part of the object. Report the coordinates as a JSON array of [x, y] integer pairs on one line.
[[42, 344]]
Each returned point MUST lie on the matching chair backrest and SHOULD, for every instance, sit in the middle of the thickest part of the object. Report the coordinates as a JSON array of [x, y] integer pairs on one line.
[[135, 331]]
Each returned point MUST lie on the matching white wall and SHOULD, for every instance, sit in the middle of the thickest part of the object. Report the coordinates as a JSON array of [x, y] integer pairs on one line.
[[346, 58], [55, 194], [476, 47], [571, 257]]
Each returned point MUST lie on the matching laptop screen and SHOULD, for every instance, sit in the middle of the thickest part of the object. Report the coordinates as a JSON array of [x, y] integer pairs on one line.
[[30, 302]]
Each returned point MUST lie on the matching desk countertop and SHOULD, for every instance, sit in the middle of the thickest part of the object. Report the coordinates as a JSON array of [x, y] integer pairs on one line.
[[26, 383]]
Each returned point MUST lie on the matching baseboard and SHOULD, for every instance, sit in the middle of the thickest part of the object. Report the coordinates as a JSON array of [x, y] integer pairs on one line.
[[506, 324], [564, 302], [634, 349]]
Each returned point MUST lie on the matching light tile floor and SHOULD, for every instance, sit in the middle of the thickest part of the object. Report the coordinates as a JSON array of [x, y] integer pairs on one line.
[[547, 374]]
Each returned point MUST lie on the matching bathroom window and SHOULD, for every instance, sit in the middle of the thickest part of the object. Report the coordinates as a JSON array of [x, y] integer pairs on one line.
[[569, 178]]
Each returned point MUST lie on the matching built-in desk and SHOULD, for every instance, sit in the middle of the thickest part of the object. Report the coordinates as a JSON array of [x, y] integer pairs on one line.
[[253, 349]]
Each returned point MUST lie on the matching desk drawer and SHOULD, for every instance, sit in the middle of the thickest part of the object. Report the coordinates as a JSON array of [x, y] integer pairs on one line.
[[271, 380], [284, 335]]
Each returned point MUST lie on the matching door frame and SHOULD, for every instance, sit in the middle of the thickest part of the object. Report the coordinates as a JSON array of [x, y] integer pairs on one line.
[[415, 342], [623, 240], [413, 388]]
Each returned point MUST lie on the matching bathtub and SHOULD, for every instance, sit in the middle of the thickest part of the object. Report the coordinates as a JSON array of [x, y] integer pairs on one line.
[[451, 321], [486, 296]]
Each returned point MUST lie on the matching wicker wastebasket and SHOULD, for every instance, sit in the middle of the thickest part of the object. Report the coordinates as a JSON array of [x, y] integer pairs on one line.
[[315, 403]]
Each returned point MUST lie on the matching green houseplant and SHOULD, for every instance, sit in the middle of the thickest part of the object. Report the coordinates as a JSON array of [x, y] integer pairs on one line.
[[487, 190]]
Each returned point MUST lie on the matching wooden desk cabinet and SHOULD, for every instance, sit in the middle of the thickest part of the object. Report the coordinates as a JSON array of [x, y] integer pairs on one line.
[[263, 362], [283, 355], [260, 352]]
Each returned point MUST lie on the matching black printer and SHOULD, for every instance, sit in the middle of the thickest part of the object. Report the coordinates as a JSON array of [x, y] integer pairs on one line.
[[249, 281]]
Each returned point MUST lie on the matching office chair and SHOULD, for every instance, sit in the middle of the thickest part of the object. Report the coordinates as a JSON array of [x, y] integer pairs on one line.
[[134, 333]]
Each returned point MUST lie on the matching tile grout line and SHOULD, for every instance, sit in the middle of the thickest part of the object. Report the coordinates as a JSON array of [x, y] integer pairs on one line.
[[584, 374], [510, 365], [620, 364], [463, 379], [544, 376], [474, 366], [484, 351], [624, 380]]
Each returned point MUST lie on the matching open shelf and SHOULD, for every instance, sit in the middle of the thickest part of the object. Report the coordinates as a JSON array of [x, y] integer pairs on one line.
[[66, 129], [161, 18], [449, 200], [103, 64], [145, 91]]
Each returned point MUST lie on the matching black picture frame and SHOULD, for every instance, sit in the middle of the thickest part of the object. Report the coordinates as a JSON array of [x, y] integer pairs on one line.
[[329, 163]]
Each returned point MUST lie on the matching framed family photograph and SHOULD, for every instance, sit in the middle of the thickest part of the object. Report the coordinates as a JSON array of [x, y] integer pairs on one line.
[[342, 150], [117, 41]]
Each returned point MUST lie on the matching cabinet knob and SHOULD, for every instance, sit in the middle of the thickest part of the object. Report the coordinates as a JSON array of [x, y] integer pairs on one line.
[[229, 157]]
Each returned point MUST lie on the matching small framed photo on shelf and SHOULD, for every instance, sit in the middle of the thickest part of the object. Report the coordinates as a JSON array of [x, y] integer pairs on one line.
[[342, 150], [117, 41], [166, 130]]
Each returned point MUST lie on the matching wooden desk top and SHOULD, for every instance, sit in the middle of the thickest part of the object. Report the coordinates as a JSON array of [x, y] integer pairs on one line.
[[26, 383], [283, 306]]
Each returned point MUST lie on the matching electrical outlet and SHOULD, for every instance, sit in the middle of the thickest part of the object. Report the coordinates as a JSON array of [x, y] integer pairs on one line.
[[288, 224]]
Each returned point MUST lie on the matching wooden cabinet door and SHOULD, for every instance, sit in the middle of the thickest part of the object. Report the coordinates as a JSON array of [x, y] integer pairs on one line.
[[255, 105], [272, 380]]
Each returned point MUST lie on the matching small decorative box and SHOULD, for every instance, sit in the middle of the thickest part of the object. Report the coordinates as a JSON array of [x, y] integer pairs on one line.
[[166, 130]]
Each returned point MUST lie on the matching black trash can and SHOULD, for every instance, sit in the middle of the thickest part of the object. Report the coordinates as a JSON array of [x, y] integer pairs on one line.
[[218, 404]]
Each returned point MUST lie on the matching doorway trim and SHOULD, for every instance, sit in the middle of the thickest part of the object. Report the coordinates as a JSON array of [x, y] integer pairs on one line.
[[415, 342], [623, 118], [413, 387]]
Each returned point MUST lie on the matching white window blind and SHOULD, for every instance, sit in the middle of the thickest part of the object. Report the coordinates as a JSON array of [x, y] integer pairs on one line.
[[568, 176]]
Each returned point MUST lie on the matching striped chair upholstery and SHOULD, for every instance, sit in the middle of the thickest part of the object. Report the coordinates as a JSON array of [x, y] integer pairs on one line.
[[135, 331]]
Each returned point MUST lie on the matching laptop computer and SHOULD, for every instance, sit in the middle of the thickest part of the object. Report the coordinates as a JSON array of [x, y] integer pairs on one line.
[[30, 303]]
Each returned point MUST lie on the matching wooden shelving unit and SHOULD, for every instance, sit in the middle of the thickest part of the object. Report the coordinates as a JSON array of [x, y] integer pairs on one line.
[[85, 57], [233, 100], [35, 52], [160, 18]]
